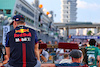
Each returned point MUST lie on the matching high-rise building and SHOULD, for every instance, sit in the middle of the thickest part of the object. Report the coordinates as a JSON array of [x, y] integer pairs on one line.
[[44, 27], [36, 3], [68, 11]]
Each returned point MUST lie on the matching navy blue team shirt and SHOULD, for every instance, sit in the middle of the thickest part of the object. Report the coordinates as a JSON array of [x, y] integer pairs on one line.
[[22, 41]]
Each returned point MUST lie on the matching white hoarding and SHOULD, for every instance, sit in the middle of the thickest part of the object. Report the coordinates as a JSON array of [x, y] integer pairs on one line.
[[6, 29]]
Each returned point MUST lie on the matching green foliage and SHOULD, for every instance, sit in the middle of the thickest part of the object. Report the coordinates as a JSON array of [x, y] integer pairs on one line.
[[89, 32]]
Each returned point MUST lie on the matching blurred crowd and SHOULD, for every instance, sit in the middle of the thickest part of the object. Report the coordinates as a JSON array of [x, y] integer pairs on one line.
[[89, 54]]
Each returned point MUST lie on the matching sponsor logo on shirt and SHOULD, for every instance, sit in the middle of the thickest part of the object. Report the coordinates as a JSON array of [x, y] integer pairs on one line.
[[22, 39], [90, 48], [22, 35], [22, 31]]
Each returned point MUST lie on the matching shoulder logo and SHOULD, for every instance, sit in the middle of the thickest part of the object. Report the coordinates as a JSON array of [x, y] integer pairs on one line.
[[90, 48]]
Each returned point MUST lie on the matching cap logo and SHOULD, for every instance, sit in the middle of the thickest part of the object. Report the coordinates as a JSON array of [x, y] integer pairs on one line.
[[17, 19]]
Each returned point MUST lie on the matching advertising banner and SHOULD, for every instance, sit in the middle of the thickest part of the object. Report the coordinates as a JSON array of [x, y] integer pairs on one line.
[[6, 29], [85, 37]]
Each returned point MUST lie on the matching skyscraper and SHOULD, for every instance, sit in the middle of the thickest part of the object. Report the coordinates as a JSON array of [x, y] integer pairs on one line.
[[68, 11], [36, 3]]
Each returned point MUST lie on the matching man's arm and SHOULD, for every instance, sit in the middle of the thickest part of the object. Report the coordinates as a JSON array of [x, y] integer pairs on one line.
[[45, 58], [8, 51], [7, 46], [36, 50], [6, 59], [48, 65]]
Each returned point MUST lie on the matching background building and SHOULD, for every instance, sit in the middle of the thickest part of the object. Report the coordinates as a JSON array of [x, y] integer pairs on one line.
[[68, 10], [35, 18]]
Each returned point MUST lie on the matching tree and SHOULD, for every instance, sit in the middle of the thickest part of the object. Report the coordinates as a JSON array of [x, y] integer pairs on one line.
[[89, 32]]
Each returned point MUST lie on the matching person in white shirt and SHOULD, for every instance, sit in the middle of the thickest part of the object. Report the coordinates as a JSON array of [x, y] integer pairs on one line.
[[59, 53], [66, 59], [80, 44], [43, 55]]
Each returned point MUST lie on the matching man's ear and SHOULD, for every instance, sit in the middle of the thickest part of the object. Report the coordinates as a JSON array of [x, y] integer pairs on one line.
[[15, 23]]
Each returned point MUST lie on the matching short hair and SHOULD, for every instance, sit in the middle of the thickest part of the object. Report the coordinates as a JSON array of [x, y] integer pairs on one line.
[[80, 43], [92, 42], [66, 55], [39, 39], [76, 53]]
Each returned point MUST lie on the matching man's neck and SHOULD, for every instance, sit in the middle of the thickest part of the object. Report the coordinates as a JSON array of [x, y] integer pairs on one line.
[[76, 60], [20, 25]]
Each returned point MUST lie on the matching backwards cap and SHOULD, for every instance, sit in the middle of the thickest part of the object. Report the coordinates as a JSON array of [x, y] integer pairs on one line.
[[76, 53], [18, 18]]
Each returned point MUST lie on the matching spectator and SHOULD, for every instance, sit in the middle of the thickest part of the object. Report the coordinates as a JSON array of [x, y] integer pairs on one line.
[[55, 43], [76, 60], [21, 45], [98, 45], [59, 53], [43, 54], [40, 41], [80, 44], [66, 59], [49, 49], [3, 57], [85, 45], [49, 42], [92, 53]]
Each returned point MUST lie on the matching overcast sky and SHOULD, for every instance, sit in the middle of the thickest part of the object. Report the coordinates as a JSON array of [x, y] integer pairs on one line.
[[87, 10]]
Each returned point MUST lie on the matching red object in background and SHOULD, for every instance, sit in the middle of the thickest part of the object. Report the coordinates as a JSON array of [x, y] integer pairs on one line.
[[42, 45], [40, 6], [47, 13], [68, 45]]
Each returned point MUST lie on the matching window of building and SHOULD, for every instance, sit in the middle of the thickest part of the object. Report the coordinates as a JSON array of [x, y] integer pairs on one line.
[[64, 2], [29, 20], [8, 11], [32, 21], [67, 16], [1, 10], [68, 3], [24, 16]]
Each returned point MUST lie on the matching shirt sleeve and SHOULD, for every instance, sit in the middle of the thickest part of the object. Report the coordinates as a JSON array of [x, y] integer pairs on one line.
[[36, 39], [7, 41]]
